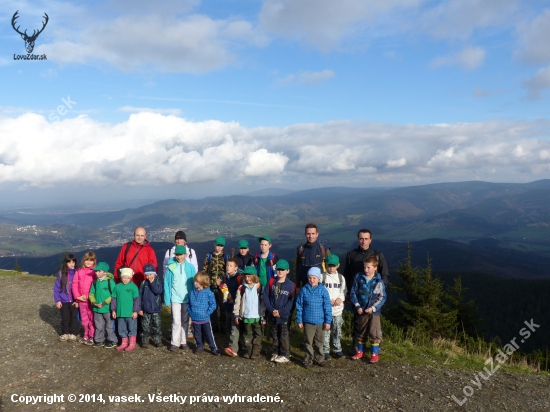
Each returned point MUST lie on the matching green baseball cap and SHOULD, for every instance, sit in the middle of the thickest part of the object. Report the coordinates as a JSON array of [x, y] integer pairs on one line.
[[333, 260], [243, 244], [219, 241], [282, 264], [265, 238], [102, 266], [180, 250], [250, 270]]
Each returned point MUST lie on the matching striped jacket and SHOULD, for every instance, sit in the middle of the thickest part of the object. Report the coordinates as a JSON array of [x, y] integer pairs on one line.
[[362, 298]]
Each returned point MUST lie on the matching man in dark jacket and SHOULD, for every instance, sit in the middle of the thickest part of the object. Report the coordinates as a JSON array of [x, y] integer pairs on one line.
[[356, 257], [308, 255]]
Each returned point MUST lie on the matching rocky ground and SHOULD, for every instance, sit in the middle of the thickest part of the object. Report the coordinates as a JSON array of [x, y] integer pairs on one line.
[[34, 363]]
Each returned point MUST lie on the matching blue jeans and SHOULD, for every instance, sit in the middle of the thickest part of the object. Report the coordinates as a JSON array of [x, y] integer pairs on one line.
[[127, 327]]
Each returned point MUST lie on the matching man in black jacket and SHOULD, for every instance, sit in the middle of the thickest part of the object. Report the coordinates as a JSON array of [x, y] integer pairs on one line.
[[355, 258]]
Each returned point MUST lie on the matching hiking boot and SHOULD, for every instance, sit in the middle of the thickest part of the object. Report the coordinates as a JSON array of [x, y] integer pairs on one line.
[[338, 355], [63, 338], [282, 359], [256, 351], [274, 357], [98, 345], [110, 345], [358, 355], [230, 352], [373, 358]]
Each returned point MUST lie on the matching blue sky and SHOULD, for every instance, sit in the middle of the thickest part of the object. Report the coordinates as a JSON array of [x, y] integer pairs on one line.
[[190, 98]]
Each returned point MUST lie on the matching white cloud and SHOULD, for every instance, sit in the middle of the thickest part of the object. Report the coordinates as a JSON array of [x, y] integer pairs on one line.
[[533, 36], [468, 59], [539, 82], [305, 78], [154, 149], [131, 109]]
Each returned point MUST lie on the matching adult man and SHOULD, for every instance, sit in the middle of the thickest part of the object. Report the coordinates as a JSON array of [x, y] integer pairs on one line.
[[135, 255], [308, 255], [180, 239], [356, 257]]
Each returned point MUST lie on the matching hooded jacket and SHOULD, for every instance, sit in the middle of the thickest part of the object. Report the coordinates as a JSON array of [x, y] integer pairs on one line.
[[65, 295], [150, 295], [82, 282], [313, 305], [364, 297], [283, 303], [178, 281]]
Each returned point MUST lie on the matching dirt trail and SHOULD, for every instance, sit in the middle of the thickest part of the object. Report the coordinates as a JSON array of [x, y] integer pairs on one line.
[[34, 363]]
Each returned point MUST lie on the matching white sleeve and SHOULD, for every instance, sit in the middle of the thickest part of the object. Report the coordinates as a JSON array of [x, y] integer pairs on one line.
[[165, 262], [193, 259], [343, 290]]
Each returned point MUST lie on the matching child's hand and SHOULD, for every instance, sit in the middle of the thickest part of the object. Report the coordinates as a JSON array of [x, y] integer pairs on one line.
[[58, 305], [75, 304], [359, 311], [82, 298], [218, 281], [134, 315], [276, 314], [369, 311], [327, 326], [140, 313], [337, 302], [236, 321], [300, 326], [332, 302], [113, 314]]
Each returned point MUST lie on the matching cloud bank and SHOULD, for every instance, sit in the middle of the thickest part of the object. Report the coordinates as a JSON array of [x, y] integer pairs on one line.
[[155, 149]]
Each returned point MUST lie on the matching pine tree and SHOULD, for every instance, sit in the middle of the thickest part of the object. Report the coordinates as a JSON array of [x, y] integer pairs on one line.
[[16, 267], [467, 320]]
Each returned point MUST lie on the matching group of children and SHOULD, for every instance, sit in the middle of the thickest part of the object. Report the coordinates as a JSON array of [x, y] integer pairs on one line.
[[249, 292]]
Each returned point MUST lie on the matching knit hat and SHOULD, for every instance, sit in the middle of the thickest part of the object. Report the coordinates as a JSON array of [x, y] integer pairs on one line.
[[180, 234], [180, 250], [314, 271], [282, 264], [333, 260], [250, 270], [126, 272], [243, 244], [219, 241], [149, 269], [102, 266]]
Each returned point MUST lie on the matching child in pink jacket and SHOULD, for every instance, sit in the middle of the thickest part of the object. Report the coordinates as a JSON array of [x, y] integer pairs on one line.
[[82, 282]]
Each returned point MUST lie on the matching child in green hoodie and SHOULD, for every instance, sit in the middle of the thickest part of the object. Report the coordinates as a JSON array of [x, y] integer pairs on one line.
[[100, 298]]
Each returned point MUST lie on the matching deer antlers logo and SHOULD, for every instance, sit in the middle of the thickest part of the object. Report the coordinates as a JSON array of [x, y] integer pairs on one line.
[[29, 40]]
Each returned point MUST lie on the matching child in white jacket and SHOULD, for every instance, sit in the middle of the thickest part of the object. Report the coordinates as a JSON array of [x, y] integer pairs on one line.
[[335, 283]]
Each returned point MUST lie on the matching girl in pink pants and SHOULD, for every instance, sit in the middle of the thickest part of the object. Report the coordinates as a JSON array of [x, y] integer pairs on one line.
[[82, 282]]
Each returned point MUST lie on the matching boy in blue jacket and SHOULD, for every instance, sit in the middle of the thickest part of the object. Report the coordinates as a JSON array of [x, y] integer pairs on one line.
[[314, 315], [150, 293], [368, 294], [202, 303], [279, 297]]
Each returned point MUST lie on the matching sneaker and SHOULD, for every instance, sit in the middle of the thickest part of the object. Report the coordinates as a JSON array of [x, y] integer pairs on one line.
[[89, 342], [274, 357], [110, 345], [173, 347], [327, 356], [198, 351], [63, 338], [230, 352], [82, 340], [338, 355], [71, 338], [215, 352], [183, 346], [282, 359], [358, 355], [373, 358], [98, 345]]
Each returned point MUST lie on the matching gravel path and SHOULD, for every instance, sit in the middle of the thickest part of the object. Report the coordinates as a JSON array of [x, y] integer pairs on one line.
[[34, 363]]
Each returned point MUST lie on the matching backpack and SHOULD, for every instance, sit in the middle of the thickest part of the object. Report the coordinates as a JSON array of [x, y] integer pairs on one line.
[[108, 284], [272, 282], [270, 262], [189, 255], [125, 255], [323, 279]]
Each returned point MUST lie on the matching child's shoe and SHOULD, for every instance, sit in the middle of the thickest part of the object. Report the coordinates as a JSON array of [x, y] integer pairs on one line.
[[198, 351], [248, 352], [123, 345], [338, 355], [183, 346], [145, 346], [173, 348], [63, 338], [274, 357], [230, 352], [132, 344], [98, 345], [71, 338], [110, 345], [282, 359], [90, 341], [82, 340], [374, 358], [157, 344], [327, 356], [256, 351], [215, 352], [358, 355], [322, 363]]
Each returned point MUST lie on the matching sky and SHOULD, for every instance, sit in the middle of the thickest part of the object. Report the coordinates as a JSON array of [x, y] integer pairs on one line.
[[190, 98]]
